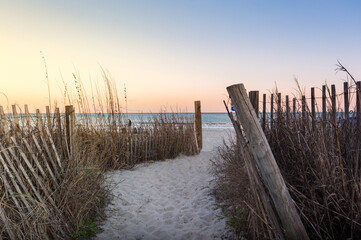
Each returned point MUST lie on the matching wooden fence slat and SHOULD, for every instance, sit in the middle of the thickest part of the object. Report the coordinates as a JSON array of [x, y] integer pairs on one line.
[[18, 178], [272, 111], [346, 101], [264, 112], [358, 108], [39, 121], [268, 167], [6, 224], [313, 108], [25, 174], [27, 116], [9, 189], [16, 118], [45, 161], [32, 170], [48, 116], [294, 107], [333, 98], [303, 107], [324, 110], [53, 146], [4, 123], [287, 109]]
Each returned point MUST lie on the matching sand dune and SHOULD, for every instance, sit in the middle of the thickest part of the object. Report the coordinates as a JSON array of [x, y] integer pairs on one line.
[[166, 200]]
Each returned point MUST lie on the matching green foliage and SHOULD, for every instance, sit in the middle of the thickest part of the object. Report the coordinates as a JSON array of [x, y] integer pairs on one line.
[[238, 219], [87, 231]]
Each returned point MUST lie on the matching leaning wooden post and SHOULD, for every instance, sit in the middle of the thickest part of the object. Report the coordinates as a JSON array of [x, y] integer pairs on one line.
[[70, 126], [267, 165], [313, 108], [198, 123], [346, 102], [264, 112]]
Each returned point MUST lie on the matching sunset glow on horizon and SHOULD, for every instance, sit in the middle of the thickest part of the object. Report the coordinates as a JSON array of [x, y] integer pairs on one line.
[[167, 54]]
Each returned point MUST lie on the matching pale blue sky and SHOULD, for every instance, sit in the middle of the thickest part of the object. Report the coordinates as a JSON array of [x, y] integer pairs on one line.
[[174, 52]]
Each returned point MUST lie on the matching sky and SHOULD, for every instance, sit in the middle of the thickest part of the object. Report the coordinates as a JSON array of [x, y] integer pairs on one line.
[[167, 54]]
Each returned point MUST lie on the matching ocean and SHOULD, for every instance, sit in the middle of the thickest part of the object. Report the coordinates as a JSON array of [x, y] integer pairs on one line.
[[209, 120]]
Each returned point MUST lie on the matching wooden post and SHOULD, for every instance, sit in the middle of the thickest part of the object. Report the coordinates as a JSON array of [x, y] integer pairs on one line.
[[267, 165], [346, 102], [358, 110], [39, 121], [294, 107], [198, 124], [70, 126], [16, 118], [4, 123], [303, 107], [313, 108], [27, 116], [333, 98], [287, 109], [279, 107], [48, 117], [271, 111], [254, 97], [324, 110], [264, 112]]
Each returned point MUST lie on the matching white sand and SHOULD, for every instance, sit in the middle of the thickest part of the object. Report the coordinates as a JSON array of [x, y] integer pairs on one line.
[[167, 200]]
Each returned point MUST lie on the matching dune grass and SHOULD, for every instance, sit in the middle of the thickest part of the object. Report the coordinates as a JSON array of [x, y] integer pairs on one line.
[[321, 167], [53, 192]]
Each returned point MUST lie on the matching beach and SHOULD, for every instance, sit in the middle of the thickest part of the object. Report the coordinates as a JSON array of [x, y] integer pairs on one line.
[[169, 199]]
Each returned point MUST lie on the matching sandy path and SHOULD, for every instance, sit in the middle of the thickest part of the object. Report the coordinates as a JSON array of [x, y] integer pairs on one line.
[[166, 200]]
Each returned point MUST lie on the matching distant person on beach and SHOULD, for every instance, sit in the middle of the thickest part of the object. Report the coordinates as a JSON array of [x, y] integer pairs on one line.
[[129, 123]]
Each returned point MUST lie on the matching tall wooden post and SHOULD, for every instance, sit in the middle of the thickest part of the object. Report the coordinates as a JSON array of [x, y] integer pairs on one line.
[[70, 126], [198, 123], [264, 112], [267, 165], [346, 102]]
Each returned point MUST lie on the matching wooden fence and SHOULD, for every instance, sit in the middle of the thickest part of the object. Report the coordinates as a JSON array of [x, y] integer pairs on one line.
[[33, 148], [328, 112]]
